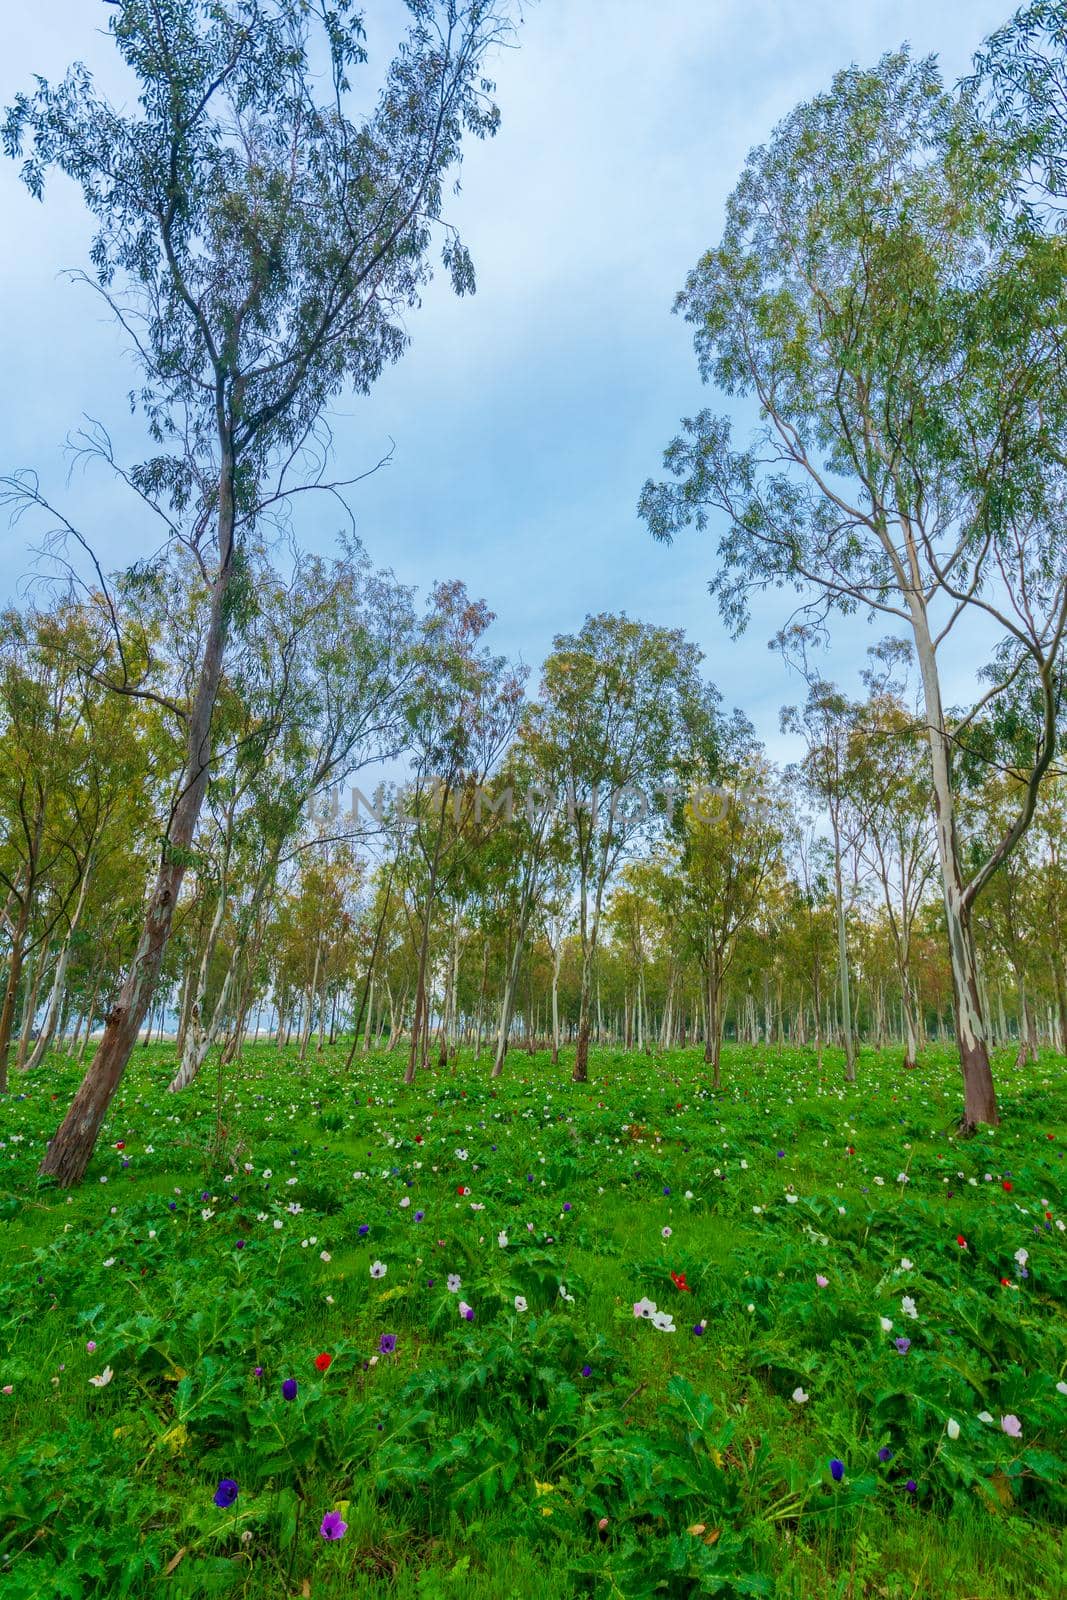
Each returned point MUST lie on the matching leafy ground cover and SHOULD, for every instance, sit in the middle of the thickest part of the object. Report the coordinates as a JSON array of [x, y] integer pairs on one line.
[[535, 1339]]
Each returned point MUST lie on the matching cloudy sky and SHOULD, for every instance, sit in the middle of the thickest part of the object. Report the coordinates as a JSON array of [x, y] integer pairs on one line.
[[525, 418]]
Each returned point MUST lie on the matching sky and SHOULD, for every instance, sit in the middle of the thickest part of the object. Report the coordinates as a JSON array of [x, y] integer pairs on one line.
[[524, 418]]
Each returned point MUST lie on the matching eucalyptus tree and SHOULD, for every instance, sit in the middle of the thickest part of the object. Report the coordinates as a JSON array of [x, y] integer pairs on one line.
[[54, 797], [108, 792], [317, 689], [525, 851], [604, 735], [464, 709], [901, 333], [891, 790], [730, 846], [827, 722], [259, 242]]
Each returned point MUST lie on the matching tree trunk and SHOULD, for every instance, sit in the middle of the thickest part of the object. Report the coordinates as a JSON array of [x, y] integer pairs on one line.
[[71, 1147], [581, 1054], [14, 974], [421, 1006], [848, 1038], [1059, 979], [979, 1097], [713, 1020], [59, 983]]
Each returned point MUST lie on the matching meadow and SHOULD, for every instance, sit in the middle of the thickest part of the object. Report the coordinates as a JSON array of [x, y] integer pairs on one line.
[[302, 1332]]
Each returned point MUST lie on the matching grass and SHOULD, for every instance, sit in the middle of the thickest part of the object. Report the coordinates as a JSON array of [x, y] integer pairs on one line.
[[480, 1459]]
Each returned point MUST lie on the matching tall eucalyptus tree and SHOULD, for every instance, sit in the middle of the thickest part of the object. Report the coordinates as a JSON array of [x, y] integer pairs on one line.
[[259, 242]]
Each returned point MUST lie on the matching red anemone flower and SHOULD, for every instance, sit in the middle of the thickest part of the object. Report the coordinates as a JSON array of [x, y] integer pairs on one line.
[[961, 1241], [1006, 1185], [678, 1279], [324, 1361]]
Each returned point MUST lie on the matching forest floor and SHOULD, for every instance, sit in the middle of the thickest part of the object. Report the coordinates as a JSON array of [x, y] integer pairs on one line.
[[854, 1382]]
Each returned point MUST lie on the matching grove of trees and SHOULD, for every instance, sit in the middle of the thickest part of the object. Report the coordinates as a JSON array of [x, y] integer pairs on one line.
[[603, 851]]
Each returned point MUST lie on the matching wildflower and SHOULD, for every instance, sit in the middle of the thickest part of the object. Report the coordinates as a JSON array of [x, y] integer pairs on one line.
[[910, 1486], [387, 1344], [907, 1305], [226, 1493], [984, 1416], [666, 1232], [363, 1230], [90, 1345], [961, 1241], [323, 1362], [1022, 1257], [887, 1326], [502, 1240], [1006, 1186], [952, 1428], [644, 1307], [903, 1345], [821, 1281], [663, 1321], [454, 1283], [905, 1264], [799, 1396], [466, 1311], [324, 1255], [678, 1279], [698, 1329], [333, 1526], [1012, 1426], [289, 1389], [103, 1379], [587, 1371], [378, 1269], [837, 1469], [885, 1454], [520, 1303], [1062, 1387]]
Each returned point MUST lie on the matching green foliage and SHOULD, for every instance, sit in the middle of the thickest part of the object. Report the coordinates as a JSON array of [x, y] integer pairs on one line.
[[556, 1444]]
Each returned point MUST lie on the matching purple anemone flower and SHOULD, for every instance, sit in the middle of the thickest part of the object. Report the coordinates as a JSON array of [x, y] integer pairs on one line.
[[903, 1345], [226, 1493], [837, 1470], [387, 1344], [289, 1389], [333, 1526]]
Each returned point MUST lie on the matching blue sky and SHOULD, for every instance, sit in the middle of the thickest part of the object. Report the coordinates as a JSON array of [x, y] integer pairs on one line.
[[525, 418]]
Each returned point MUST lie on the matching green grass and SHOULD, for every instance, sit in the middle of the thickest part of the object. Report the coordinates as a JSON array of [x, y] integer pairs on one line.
[[479, 1461]]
